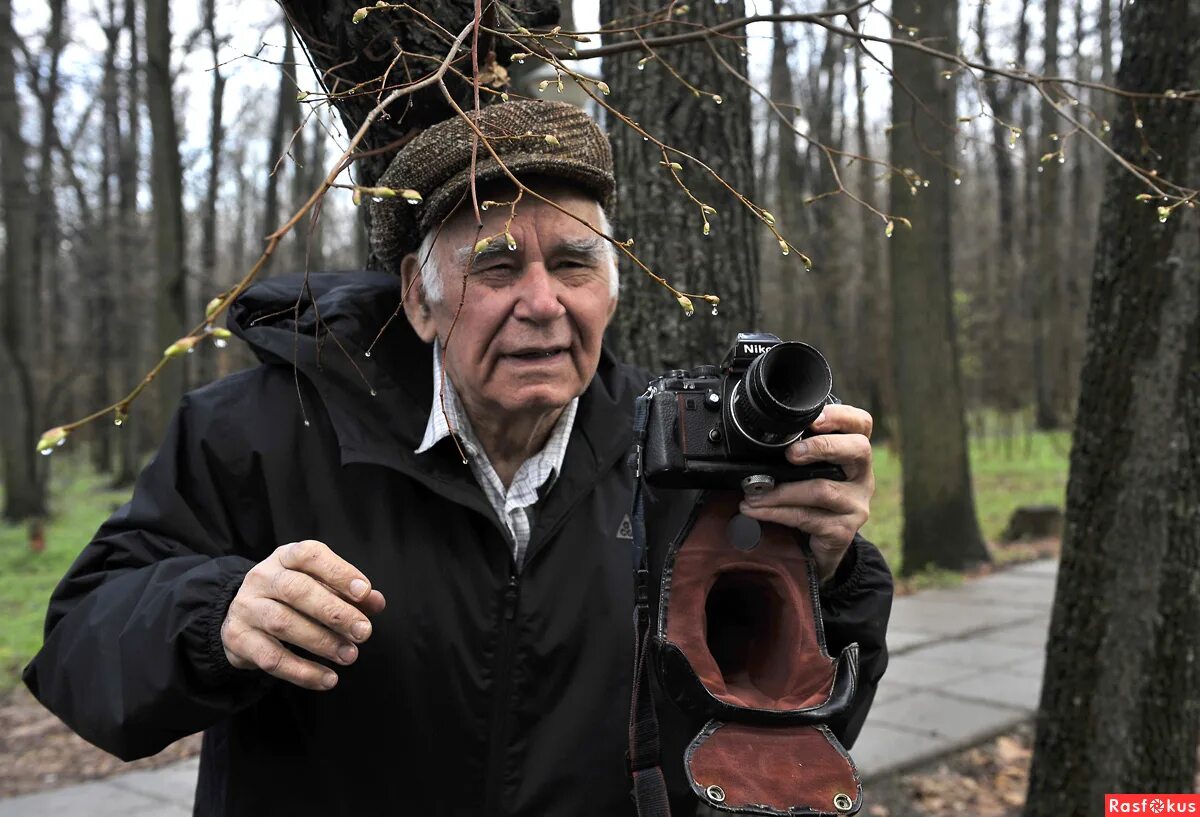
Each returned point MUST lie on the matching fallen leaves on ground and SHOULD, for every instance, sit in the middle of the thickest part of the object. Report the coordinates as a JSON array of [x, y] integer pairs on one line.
[[38, 751], [986, 781]]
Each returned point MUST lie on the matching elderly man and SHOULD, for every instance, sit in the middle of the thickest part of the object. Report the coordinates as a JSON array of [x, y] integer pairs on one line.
[[470, 468]]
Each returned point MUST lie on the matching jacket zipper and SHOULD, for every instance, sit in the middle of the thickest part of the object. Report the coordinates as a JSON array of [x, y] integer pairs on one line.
[[498, 727]]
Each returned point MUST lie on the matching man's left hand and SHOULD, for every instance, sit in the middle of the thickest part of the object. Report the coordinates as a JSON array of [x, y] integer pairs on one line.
[[830, 512]]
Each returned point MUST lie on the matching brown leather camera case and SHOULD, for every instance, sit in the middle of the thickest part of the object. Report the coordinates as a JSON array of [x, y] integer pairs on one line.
[[739, 638]]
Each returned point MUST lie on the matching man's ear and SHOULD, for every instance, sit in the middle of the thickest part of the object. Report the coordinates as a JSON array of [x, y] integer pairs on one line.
[[416, 308]]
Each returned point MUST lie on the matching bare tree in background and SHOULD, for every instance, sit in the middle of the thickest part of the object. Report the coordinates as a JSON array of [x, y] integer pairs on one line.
[[875, 293], [167, 183], [1119, 710], [24, 487], [282, 131], [1047, 269], [782, 180], [207, 273], [130, 239], [108, 261], [940, 527]]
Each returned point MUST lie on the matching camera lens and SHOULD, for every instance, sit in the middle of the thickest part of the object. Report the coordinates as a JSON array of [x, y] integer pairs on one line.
[[784, 390]]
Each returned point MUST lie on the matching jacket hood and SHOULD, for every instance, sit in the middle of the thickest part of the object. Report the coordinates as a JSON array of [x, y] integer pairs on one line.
[[325, 323]]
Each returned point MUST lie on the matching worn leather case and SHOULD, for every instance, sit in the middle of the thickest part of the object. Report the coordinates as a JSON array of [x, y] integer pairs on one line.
[[739, 639]]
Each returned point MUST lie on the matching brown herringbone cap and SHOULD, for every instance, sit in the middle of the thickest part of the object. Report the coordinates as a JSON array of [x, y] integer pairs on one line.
[[437, 164]]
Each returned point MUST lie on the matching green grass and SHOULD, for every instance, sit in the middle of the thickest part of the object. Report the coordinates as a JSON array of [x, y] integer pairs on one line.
[[1034, 471], [1030, 471], [81, 501]]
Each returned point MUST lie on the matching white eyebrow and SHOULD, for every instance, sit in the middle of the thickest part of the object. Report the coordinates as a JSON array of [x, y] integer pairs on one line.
[[587, 247]]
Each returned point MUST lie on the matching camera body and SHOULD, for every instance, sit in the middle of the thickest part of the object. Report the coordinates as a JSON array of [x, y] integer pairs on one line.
[[715, 426]]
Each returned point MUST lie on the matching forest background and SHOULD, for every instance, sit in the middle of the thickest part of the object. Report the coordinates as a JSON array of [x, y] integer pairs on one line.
[[915, 189]]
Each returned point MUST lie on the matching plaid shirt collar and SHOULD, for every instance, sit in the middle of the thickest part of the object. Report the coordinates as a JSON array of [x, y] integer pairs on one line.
[[535, 476]]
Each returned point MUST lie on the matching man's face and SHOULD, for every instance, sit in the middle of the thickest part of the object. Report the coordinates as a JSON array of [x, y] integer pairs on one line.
[[527, 336]]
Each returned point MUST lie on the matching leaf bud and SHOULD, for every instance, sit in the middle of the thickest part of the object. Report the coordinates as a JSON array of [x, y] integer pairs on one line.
[[52, 439], [180, 346]]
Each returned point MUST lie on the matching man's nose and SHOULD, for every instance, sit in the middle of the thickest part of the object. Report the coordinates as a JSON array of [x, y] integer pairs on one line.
[[537, 296]]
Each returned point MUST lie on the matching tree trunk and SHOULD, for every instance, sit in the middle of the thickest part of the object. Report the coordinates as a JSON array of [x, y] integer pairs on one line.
[[24, 491], [277, 154], [650, 328], [875, 290], [129, 249], [829, 274], [347, 55], [940, 528], [109, 262], [1119, 710], [207, 285], [784, 187], [47, 274], [1001, 302], [1079, 230], [167, 184], [1048, 270], [1106, 42]]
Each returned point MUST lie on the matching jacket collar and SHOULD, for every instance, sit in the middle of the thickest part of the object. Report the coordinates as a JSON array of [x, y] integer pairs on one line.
[[324, 323]]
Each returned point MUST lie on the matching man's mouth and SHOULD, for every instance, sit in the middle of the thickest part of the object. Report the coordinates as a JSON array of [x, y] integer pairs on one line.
[[537, 354]]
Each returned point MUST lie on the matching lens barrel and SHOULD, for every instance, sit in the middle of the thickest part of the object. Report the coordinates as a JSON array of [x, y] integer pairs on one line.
[[784, 390]]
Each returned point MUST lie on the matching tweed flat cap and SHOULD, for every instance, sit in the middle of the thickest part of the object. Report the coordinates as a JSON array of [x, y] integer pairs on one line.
[[549, 139]]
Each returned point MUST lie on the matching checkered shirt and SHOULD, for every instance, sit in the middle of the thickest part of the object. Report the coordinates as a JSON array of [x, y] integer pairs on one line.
[[514, 507]]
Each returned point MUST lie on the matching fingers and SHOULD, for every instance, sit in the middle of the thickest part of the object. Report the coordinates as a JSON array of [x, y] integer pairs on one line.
[[287, 625], [269, 655], [827, 530], [818, 494], [843, 419], [303, 593], [851, 451], [317, 560], [374, 603]]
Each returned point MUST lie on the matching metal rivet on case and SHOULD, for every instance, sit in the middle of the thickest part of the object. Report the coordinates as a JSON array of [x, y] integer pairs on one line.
[[842, 802], [716, 794]]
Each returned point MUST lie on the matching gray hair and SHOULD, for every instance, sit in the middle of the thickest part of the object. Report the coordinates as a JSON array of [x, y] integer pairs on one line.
[[431, 273]]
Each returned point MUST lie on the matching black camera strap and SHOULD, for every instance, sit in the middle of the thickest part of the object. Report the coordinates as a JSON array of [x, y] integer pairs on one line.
[[649, 787]]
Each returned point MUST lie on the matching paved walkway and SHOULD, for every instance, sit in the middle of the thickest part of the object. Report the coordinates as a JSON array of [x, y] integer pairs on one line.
[[966, 665]]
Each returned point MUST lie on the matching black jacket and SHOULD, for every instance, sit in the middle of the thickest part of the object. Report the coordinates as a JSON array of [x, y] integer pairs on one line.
[[480, 692]]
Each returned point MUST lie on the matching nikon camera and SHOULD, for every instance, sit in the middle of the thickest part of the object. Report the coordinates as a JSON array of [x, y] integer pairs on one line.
[[729, 426]]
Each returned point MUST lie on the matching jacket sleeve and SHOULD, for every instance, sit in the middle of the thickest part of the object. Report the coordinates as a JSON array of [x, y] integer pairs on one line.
[[132, 657], [855, 608]]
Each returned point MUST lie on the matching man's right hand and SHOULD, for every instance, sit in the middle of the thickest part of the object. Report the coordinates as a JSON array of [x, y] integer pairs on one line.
[[306, 595]]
